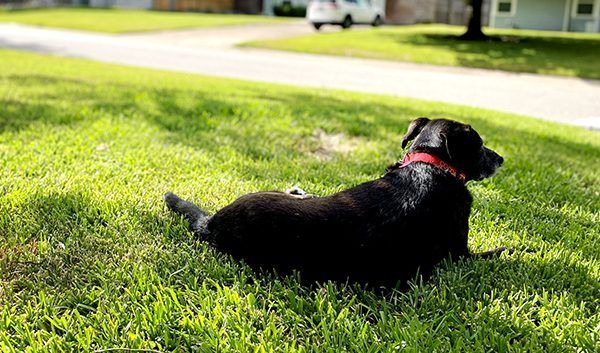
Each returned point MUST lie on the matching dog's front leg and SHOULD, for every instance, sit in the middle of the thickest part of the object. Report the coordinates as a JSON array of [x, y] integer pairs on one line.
[[491, 253]]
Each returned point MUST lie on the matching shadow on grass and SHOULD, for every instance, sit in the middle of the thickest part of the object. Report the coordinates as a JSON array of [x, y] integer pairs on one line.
[[516, 53], [251, 122], [270, 125], [61, 237]]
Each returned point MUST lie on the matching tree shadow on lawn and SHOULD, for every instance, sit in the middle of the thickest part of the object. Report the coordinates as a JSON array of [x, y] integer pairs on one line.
[[187, 112], [77, 230], [272, 124], [516, 53], [529, 155], [261, 123], [257, 123], [74, 102], [258, 126], [248, 117]]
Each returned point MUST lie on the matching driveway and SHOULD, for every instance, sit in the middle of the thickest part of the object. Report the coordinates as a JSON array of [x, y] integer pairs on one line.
[[211, 52], [226, 36]]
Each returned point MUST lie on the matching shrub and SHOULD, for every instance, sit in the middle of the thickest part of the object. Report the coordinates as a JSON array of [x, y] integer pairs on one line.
[[289, 10]]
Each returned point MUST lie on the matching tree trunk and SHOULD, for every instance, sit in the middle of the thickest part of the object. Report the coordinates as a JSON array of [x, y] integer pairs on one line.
[[474, 31]]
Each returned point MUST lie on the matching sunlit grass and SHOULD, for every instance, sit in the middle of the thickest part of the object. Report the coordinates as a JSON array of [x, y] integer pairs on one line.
[[120, 20], [556, 53], [91, 259]]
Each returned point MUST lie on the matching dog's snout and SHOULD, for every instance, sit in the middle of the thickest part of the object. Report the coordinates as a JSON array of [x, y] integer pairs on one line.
[[490, 161], [499, 159], [491, 155]]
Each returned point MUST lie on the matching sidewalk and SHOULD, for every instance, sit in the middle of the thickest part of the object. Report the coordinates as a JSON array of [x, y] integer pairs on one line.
[[568, 100]]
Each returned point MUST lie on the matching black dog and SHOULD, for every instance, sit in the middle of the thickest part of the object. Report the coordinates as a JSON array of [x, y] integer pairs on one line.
[[382, 231]]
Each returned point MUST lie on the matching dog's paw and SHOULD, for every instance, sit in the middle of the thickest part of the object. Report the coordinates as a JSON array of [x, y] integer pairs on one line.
[[504, 250], [493, 253]]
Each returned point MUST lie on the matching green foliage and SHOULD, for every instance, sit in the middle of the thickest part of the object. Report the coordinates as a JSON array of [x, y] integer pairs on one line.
[[555, 53], [120, 20], [91, 259], [289, 10]]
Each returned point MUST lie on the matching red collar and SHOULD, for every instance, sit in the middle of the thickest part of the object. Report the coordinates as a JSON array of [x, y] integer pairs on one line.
[[433, 160]]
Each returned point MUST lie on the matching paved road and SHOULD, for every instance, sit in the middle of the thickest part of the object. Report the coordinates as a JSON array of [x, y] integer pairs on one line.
[[569, 100], [228, 36]]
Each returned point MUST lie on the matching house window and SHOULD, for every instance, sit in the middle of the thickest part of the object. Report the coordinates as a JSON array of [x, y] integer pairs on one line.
[[584, 8], [505, 6]]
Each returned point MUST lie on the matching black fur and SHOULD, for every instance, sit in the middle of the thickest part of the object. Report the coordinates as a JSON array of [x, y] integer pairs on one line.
[[382, 231]]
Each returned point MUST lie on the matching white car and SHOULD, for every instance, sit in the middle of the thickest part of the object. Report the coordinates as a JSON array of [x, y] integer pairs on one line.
[[343, 13]]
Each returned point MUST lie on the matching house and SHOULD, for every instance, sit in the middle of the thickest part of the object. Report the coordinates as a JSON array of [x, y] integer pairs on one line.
[[133, 4], [555, 15], [225, 6], [455, 12]]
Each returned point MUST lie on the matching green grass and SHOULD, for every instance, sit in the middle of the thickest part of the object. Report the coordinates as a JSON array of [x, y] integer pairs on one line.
[[121, 21], [556, 53], [91, 259]]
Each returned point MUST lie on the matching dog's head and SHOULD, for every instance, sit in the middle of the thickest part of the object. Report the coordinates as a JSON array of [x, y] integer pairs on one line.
[[455, 143]]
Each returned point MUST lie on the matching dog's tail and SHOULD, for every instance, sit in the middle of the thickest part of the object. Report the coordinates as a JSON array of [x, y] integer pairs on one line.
[[196, 217]]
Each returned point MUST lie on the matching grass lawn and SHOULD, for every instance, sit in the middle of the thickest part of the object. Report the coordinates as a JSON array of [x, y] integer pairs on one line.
[[90, 258], [121, 21], [556, 53]]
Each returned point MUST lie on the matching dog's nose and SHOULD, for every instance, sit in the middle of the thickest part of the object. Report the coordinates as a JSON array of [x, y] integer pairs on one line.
[[500, 160]]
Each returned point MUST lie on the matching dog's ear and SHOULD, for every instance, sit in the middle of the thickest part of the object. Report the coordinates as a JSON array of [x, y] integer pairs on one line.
[[414, 129]]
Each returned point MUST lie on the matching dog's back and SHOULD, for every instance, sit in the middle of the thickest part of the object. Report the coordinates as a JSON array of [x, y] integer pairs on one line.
[[381, 229]]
